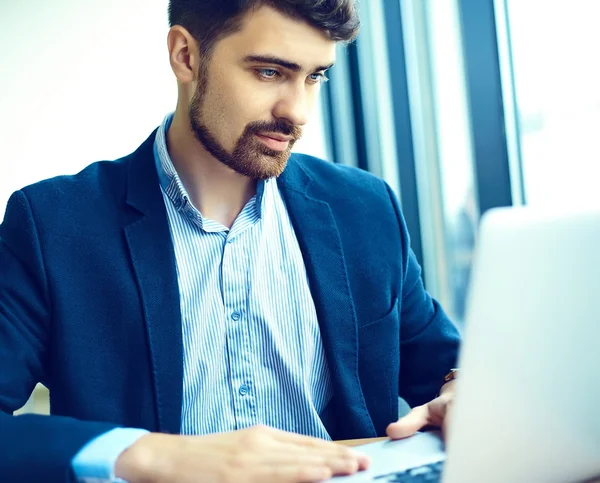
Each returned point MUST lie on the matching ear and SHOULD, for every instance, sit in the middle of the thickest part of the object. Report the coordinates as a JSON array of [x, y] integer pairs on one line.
[[183, 54]]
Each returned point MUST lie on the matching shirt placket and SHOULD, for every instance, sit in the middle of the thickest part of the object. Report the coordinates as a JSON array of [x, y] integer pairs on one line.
[[239, 351]]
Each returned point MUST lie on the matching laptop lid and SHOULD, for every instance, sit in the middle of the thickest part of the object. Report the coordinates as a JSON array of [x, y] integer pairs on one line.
[[528, 396]]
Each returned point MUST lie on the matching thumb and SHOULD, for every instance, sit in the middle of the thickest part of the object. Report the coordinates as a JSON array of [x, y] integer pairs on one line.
[[416, 419]]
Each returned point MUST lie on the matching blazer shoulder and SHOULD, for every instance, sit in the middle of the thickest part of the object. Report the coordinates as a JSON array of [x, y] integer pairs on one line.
[[96, 185], [96, 181], [351, 190], [339, 177]]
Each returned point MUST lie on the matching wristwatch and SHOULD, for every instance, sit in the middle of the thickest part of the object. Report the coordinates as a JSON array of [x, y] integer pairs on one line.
[[453, 374]]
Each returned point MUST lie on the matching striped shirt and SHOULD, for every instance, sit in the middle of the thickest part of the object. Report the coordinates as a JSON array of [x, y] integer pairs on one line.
[[252, 347], [253, 352]]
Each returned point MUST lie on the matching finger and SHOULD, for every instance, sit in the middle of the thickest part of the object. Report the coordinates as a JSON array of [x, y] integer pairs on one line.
[[308, 458], [312, 443], [416, 419], [306, 441], [342, 458], [325, 448]]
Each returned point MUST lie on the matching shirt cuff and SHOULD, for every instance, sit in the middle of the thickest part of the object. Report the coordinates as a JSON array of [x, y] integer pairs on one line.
[[95, 462]]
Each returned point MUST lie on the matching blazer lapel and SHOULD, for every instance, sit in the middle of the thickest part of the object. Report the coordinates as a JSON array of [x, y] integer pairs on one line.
[[153, 258], [321, 246]]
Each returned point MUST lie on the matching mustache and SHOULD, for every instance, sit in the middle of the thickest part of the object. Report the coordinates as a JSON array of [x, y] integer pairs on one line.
[[279, 126]]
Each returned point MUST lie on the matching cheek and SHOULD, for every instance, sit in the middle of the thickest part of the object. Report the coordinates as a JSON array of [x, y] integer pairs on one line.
[[223, 115], [238, 111]]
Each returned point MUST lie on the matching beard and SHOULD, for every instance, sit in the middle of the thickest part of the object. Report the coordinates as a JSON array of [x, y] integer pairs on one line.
[[249, 157]]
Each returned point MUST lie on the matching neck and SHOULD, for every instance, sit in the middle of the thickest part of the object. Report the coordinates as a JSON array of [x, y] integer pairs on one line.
[[215, 189]]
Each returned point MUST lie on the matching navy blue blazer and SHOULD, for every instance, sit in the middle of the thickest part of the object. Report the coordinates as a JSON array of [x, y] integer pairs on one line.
[[89, 306]]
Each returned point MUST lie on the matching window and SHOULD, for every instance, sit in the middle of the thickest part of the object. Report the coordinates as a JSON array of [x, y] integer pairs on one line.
[[556, 80], [443, 152], [313, 140]]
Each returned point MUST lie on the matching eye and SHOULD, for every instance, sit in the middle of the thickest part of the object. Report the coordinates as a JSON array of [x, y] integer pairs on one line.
[[318, 78], [267, 74]]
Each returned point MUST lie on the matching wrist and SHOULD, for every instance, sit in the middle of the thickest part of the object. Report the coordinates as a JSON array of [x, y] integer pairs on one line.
[[449, 382], [141, 462], [449, 387]]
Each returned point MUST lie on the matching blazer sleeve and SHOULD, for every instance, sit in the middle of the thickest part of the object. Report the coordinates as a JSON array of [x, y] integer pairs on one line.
[[429, 340], [32, 447]]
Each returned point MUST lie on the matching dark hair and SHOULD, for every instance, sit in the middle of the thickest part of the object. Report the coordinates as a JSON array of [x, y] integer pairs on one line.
[[209, 21]]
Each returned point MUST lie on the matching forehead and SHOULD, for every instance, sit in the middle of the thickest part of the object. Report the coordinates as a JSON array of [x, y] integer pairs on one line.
[[268, 31]]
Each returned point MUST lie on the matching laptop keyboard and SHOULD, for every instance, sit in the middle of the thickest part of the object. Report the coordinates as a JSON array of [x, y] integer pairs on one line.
[[422, 474]]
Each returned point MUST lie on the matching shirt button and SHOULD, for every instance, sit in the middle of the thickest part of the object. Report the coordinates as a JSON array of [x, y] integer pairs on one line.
[[236, 316], [244, 389]]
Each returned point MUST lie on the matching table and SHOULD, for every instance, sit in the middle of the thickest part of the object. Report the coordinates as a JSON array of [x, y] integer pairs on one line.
[[358, 442]]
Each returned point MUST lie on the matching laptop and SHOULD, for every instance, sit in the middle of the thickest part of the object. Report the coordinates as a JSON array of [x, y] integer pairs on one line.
[[527, 407]]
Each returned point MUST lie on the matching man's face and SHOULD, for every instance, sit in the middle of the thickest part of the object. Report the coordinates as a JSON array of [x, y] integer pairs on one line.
[[256, 91]]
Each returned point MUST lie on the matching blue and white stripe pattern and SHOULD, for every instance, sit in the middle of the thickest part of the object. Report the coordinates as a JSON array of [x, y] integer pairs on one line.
[[253, 352]]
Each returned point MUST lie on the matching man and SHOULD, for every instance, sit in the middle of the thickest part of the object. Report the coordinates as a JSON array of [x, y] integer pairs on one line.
[[210, 308]]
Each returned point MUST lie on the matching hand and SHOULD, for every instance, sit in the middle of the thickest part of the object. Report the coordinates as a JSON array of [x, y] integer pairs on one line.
[[435, 413], [257, 454]]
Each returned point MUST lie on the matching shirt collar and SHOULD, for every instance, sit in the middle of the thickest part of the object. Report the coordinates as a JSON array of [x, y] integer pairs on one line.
[[171, 183]]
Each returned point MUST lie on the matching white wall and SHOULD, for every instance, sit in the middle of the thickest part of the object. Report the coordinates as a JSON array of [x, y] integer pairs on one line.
[[84, 80]]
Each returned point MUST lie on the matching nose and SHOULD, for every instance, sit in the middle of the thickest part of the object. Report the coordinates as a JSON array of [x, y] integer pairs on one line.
[[294, 105]]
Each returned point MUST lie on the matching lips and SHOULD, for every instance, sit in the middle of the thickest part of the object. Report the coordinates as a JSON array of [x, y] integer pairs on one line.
[[277, 137], [276, 142]]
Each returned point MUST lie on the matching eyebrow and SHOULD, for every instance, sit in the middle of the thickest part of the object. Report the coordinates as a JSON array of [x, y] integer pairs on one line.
[[286, 64]]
